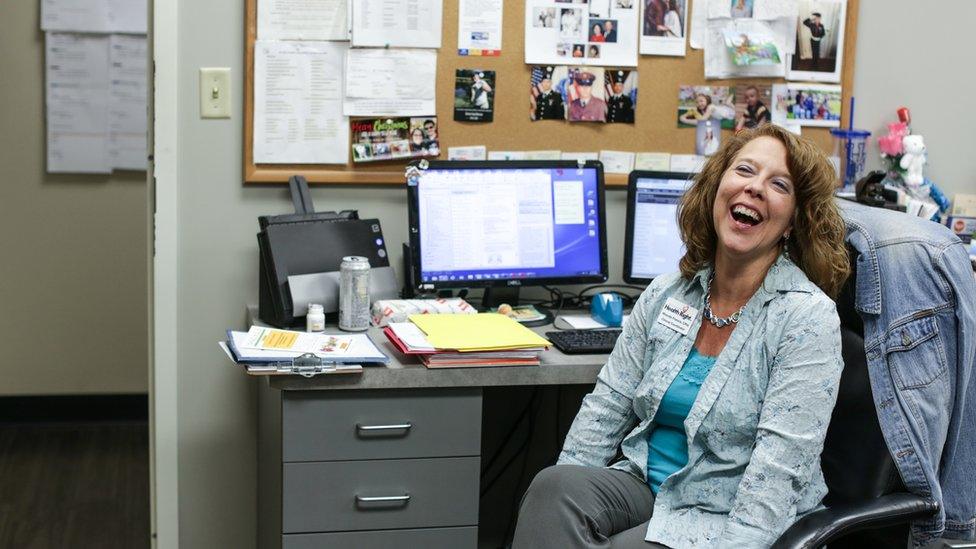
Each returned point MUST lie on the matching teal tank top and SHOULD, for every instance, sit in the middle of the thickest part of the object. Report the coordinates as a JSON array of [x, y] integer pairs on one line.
[[667, 444]]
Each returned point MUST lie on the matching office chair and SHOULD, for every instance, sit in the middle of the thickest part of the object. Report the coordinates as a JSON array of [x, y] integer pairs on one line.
[[867, 504]]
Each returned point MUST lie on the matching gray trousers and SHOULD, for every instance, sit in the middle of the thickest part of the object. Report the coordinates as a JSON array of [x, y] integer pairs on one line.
[[570, 506]]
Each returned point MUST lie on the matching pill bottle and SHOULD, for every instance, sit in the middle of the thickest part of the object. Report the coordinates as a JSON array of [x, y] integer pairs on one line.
[[315, 319]]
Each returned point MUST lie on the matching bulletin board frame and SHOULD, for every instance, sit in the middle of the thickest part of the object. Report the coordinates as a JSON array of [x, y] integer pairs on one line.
[[655, 129]]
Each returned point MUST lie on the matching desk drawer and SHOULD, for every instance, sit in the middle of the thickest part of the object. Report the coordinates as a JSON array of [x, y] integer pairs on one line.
[[379, 494], [432, 538], [333, 425]]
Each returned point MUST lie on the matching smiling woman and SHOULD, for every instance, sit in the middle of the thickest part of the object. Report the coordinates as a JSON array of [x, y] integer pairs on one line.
[[801, 174], [716, 414]]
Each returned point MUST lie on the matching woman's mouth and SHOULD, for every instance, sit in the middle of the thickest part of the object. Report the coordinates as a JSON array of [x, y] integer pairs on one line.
[[745, 216]]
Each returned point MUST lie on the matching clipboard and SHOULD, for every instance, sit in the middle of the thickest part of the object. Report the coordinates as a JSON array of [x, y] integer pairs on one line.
[[306, 365]]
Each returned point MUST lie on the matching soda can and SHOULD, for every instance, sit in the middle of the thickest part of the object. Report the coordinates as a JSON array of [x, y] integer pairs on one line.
[[354, 294]]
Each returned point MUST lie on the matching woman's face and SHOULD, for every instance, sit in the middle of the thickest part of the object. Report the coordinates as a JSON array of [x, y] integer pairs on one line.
[[597, 29], [755, 202], [701, 101], [416, 135]]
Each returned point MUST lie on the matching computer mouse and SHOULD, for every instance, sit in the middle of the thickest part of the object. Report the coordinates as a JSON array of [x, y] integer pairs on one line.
[[607, 308]]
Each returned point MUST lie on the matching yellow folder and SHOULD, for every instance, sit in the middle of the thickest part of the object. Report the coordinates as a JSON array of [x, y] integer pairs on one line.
[[480, 332]]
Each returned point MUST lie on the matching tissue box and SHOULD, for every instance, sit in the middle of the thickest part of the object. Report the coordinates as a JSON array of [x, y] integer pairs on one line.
[[386, 311]]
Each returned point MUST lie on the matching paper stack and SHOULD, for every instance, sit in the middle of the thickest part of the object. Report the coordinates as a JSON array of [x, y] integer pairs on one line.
[[464, 341]]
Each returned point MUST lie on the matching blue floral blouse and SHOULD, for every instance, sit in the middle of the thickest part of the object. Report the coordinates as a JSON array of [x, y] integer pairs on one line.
[[756, 429]]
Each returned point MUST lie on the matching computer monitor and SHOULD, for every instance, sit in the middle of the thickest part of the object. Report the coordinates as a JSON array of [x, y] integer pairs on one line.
[[652, 242], [506, 224]]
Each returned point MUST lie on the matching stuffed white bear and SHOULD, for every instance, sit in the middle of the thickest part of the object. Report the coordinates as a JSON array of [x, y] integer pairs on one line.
[[913, 160]]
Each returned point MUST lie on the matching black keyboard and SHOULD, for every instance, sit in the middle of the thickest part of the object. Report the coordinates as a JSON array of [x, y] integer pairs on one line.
[[584, 342]]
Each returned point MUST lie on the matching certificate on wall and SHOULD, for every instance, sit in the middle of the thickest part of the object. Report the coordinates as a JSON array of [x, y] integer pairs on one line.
[[298, 103], [598, 32], [397, 23]]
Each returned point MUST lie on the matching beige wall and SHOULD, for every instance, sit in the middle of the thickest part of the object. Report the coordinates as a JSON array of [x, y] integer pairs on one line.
[[217, 259], [73, 307]]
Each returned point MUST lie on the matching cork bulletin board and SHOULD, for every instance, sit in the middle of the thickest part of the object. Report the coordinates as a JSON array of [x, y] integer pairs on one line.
[[655, 129]]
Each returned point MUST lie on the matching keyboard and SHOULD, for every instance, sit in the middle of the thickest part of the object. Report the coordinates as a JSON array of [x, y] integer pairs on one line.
[[584, 342]]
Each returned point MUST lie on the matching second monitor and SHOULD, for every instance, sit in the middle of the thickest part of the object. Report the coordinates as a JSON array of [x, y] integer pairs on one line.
[[506, 225], [652, 240]]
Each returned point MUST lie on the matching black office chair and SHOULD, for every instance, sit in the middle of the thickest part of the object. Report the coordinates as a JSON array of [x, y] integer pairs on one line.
[[867, 504]]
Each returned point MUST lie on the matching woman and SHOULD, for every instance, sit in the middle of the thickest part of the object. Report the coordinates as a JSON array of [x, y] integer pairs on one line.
[[672, 20], [578, 50], [418, 141], [720, 417], [704, 110], [596, 34]]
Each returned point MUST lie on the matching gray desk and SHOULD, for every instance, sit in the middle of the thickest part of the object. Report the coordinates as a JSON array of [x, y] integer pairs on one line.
[[330, 445]]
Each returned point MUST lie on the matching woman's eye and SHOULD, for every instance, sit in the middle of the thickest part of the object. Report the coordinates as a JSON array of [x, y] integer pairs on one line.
[[782, 185], [743, 169]]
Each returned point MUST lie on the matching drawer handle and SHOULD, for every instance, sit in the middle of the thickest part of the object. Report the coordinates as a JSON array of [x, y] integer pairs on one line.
[[383, 499], [375, 428]]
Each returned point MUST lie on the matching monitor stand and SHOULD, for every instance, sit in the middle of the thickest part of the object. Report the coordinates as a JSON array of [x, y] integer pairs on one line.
[[495, 296]]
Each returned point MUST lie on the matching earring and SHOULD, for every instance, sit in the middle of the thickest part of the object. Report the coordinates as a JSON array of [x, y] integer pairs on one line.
[[786, 245]]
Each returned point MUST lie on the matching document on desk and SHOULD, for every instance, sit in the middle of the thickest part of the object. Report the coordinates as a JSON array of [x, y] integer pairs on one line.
[[397, 23], [480, 332], [77, 95], [385, 82], [298, 103], [303, 20], [127, 109], [268, 344]]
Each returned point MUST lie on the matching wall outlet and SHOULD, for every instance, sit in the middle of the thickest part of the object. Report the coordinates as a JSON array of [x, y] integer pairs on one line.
[[215, 92]]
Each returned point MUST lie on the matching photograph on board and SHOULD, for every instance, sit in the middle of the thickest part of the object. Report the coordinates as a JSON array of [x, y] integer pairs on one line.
[[708, 135], [819, 41], [603, 30], [753, 102], [585, 95], [391, 138], [571, 23], [663, 27], [544, 18], [741, 9], [750, 48], [545, 101], [807, 104], [621, 95], [474, 95], [612, 27], [696, 103]]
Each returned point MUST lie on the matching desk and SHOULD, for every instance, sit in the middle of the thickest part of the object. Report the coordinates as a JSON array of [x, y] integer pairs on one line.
[[328, 446]]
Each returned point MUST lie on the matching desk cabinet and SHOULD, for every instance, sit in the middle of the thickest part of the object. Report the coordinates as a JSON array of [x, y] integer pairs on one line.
[[369, 469]]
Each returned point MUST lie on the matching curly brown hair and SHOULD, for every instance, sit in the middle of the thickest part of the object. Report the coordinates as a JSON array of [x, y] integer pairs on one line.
[[816, 242]]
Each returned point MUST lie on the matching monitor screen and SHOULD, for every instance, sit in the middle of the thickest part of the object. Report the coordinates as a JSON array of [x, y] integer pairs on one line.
[[507, 224], [653, 242]]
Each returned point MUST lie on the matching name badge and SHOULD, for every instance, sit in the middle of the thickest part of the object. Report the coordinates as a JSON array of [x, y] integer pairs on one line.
[[677, 316]]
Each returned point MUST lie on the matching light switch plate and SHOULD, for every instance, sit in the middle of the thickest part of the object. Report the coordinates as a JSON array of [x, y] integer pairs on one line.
[[215, 92]]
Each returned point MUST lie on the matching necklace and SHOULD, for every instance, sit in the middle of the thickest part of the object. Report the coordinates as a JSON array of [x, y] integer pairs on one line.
[[718, 322]]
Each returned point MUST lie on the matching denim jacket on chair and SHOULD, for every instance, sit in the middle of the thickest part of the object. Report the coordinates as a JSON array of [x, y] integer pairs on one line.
[[917, 297]]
